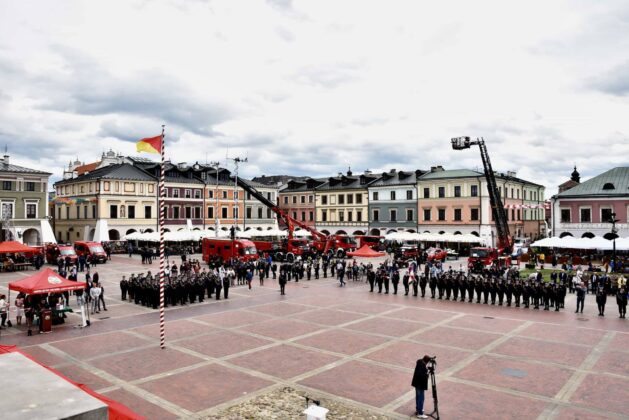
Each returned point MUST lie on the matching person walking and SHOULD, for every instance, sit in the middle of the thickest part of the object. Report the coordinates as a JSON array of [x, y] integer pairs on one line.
[[420, 383], [621, 300]]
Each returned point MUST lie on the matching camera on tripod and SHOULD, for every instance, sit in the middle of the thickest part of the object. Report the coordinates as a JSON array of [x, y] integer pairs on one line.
[[431, 364]]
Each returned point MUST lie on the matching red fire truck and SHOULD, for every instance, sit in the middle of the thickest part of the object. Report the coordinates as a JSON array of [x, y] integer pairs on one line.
[[224, 249], [375, 242], [280, 249], [92, 249], [53, 251], [483, 257], [337, 244]]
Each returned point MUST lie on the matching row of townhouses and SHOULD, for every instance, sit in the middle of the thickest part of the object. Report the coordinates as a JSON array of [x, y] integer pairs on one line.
[[119, 194], [435, 201]]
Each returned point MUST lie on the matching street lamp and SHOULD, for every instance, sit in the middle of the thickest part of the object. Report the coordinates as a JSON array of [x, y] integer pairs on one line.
[[613, 221]]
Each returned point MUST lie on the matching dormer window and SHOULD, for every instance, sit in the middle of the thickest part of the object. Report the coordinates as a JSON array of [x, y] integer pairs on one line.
[[609, 186]]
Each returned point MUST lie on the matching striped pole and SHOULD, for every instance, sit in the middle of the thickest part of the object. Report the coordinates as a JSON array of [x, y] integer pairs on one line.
[[162, 259]]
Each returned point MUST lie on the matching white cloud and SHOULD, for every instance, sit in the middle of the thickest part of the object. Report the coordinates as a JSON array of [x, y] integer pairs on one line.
[[311, 87]]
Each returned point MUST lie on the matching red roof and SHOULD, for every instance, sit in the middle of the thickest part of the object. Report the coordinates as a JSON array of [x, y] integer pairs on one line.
[[10, 247], [46, 281], [88, 167], [366, 252]]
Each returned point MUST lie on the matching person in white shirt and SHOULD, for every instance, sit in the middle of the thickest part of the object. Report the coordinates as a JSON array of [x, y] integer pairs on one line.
[[95, 294]]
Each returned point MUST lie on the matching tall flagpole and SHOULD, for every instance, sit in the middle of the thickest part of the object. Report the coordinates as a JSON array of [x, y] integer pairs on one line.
[[162, 260]]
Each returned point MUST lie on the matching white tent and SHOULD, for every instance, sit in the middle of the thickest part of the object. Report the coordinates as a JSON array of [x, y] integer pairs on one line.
[[569, 242], [101, 233], [47, 235]]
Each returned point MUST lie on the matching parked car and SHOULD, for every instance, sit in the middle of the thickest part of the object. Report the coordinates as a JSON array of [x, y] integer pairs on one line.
[[436, 254]]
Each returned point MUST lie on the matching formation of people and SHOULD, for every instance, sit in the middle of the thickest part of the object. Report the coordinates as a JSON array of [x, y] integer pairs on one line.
[[497, 286]]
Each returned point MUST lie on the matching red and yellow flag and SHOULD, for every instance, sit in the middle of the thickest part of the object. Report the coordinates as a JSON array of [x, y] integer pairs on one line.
[[150, 145]]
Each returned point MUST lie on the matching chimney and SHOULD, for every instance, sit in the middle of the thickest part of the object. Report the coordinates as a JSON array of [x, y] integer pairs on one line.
[[438, 168], [392, 171], [6, 159]]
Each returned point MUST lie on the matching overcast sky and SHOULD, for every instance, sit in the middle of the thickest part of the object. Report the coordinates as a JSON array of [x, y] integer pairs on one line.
[[312, 87]]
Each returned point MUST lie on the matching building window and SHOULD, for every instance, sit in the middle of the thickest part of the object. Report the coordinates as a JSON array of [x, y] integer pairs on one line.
[[359, 216], [427, 215], [442, 192], [359, 198], [131, 212], [188, 211], [392, 195], [512, 210], [324, 199], [341, 216], [197, 193], [176, 214], [6, 185], [148, 212], [375, 196], [606, 215], [586, 215], [248, 212], [117, 186], [210, 194], [151, 188], [518, 191], [310, 199], [30, 186], [511, 192], [341, 198], [518, 212], [303, 199], [350, 198], [393, 215], [294, 215], [285, 200], [113, 211], [376, 215], [324, 215], [350, 216], [106, 186], [441, 214], [78, 212], [93, 212], [224, 195], [426, 192], [457, 190], [474, 191], [409, 215], [31, 211], [58, 212], [85, 212], [294, 199], [311, 216], [175, 192], [457, 215], [565, 215], [197, 212], [210, 212], [474, 214], [409, 194], [303, 216], [259, 212]]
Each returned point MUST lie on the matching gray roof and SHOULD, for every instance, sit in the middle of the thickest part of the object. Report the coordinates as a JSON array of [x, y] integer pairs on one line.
[[302, 185], [453, 173], [21, 169], [397, 178], [120, 171], [348, 182], [599, 186]]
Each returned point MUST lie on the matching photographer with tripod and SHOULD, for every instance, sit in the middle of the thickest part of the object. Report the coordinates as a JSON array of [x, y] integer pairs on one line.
[[424, 367]]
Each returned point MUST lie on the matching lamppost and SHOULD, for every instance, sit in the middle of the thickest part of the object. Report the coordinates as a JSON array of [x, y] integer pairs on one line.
[[614, 232]]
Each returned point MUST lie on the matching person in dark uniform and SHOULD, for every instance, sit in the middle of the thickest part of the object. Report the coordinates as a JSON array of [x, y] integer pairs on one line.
[[621, 301], [470, 289], [493, 291], [379, 280], [432, 283], [124, 286], [316, 269], [601, 299], [537, 294], [546, 292], [218, 285], [420, 383], [500, 289], [405, 283], [226, 284], [371, 278], [395, 280], [441, 285], [486, 288], [478, 288], [414, 284], [385, 278], [509, 292], [462, 286], [517, 293], [422, 284], [455, 287], [448, 286], [527, 292], [282, 281]]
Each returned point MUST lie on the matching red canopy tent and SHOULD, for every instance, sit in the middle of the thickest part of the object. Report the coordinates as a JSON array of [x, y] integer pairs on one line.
[[14, 247], [366, 252], [46, 281]]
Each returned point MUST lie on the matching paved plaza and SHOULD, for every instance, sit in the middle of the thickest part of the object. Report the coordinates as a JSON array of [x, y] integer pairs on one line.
[[345, 344]]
